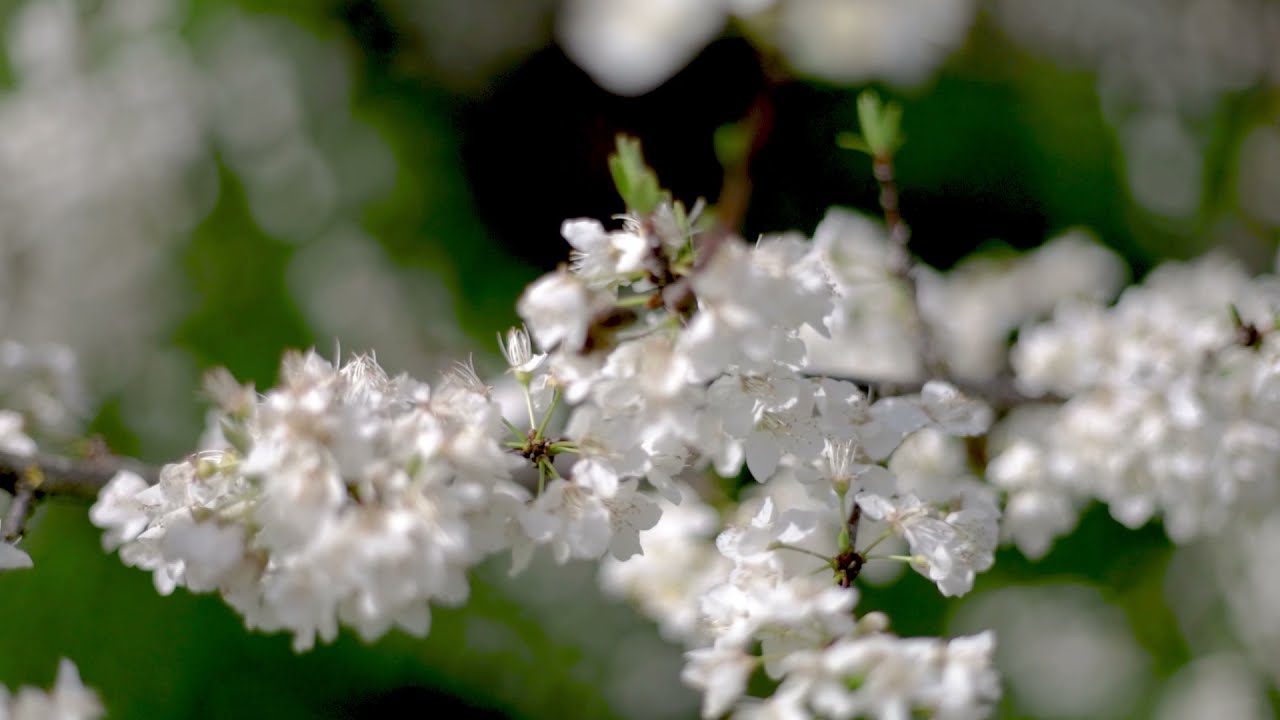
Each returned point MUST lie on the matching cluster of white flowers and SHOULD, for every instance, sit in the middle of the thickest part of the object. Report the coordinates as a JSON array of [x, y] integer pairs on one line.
[[344, 496], [95, 162], [663, 351], [759, 586], [666, 350], [678, 566], [1171, 412], [665, 363], [970, 310], [116, 120], [1173, 409], [829, 662], [68, 700], [632, 46]]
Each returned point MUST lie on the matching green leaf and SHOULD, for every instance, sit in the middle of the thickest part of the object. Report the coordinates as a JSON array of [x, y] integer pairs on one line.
[[636, 182], [1235, 315], [853, 141], [732, 142], [881, 127]]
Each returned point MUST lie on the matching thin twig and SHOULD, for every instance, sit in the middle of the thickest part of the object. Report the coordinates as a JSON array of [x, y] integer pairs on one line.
[[15, 521], [852, 522], [999, 392], [68, 477], [735, 191], [903, 262]]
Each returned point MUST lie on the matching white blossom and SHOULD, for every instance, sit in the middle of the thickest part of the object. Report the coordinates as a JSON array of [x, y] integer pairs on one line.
[[882, 676], [12, 558], [68, 700], [1169, 415], [952, 412], [353, 503], [949, 549], [678, 564], [603, 258], [558, 309], [519, 352], [12, 438], [630, 47], [721, 674], [120, 511]]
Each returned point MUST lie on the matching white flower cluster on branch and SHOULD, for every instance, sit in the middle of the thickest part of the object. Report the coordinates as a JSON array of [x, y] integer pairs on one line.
[[739, 432], [667, 360], [346, 497], [1174, 408], [710, 361]]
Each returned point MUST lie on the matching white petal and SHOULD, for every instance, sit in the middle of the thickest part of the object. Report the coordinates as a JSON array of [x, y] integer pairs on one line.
[[954, 412], [763, 455], [11, 558]]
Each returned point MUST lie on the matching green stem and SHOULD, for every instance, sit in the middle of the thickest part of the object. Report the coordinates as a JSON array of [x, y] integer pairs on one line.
[[787, 546], [909, 559], [883, 536], [514, 431], [632, 300], [542, 426], [845, 542], [528, 404]]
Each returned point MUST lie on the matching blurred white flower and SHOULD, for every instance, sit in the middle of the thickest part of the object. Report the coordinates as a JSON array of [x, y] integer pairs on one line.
[[1220, 685], [856, 41], [1064, 652], [1169, 413], [96, 168], [558, 309], [12, 438], [11, 558], [68, 700], [950, 550], [632, 46]]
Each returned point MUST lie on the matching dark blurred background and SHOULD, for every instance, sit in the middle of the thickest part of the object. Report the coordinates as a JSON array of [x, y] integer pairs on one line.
[[193, 183]]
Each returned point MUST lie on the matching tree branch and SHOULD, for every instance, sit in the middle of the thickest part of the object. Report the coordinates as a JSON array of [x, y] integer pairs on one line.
[[735, 190], [66, 477], [15, 521], [998, 392], [903, 262]]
